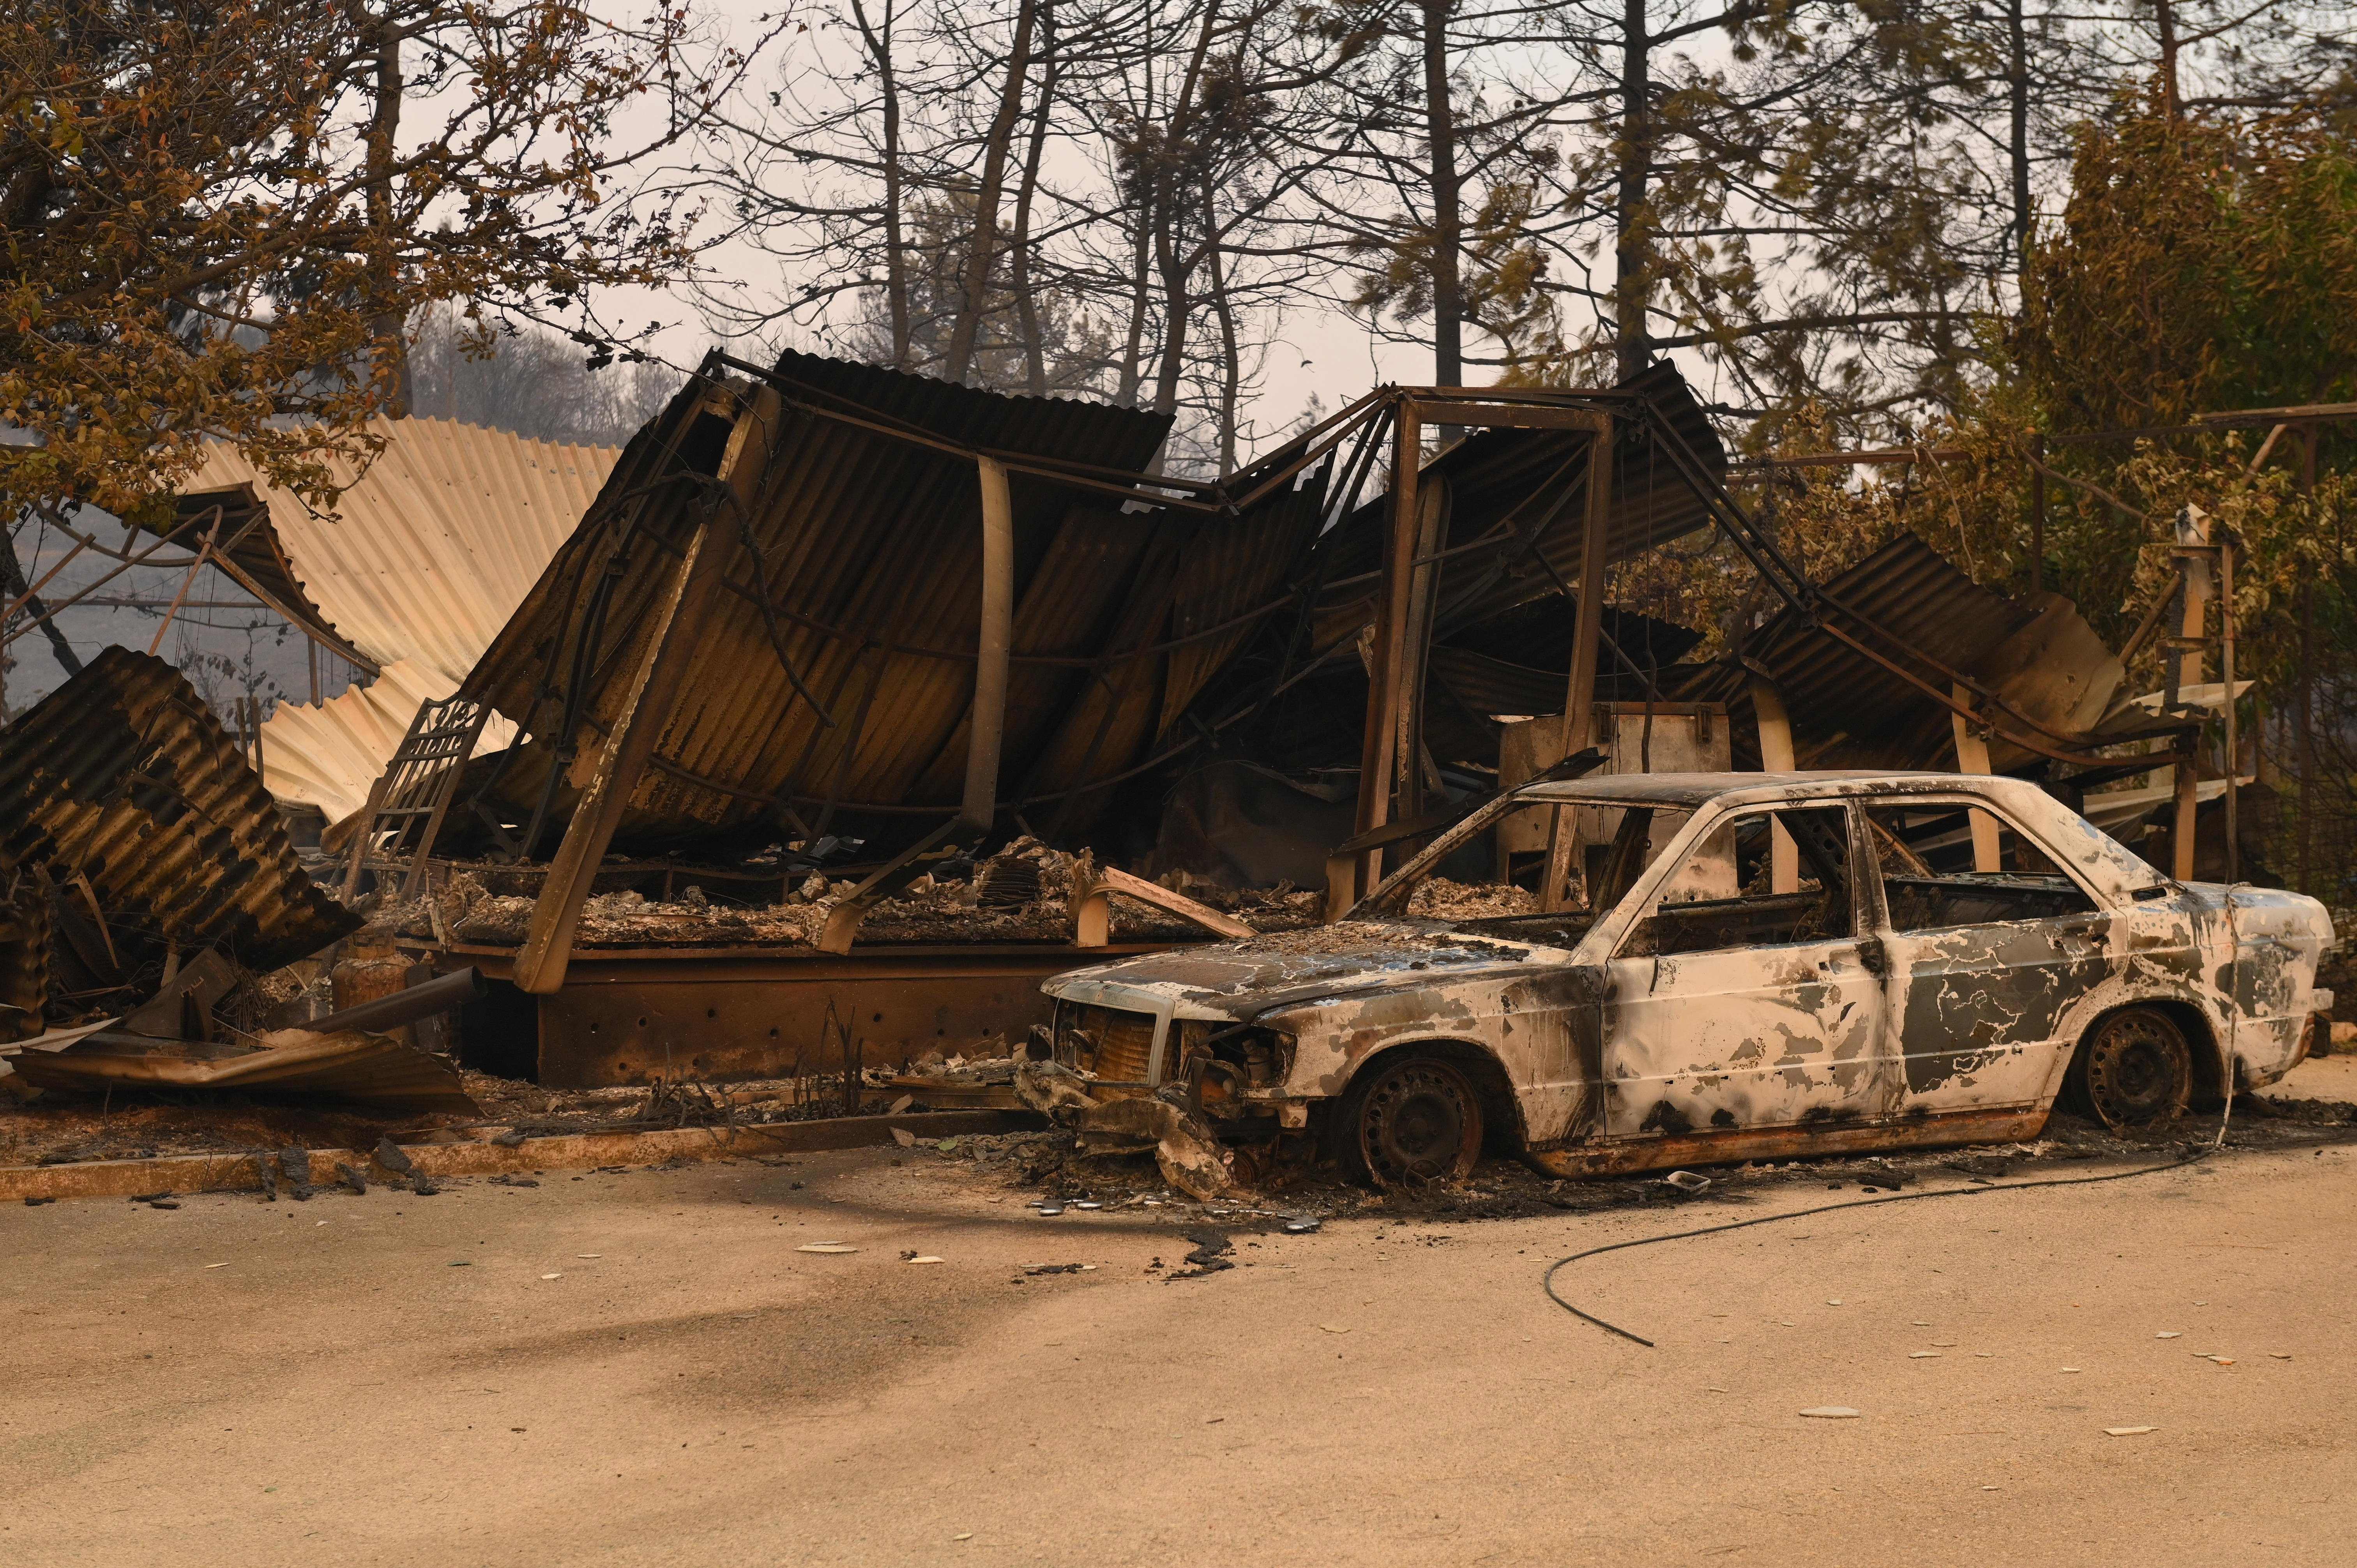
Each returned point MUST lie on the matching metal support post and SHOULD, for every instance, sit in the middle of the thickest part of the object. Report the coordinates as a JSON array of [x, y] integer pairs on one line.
[[1580, 691], [2194, 586], [1386, 676]]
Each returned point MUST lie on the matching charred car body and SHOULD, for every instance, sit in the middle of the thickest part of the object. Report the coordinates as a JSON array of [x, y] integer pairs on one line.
[[1765, 964]]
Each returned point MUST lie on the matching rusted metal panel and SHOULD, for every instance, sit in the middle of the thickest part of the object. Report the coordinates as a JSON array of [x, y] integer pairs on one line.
[[674, 1014], [868, 549], [348, 1065], [124, 775], [1836, 697]]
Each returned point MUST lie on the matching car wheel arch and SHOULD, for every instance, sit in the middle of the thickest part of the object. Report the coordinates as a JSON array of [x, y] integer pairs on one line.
[[2193, 1021], [1501, 1109]]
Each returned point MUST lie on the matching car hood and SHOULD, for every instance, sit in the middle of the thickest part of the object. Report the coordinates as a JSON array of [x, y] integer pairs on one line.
[[1239, 980]]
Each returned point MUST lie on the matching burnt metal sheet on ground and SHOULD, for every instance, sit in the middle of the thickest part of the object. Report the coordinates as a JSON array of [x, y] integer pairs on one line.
[[125, 776], [346, 1064], [870, 548]]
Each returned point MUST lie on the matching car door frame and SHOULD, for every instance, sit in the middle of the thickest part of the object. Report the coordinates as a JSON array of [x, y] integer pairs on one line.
[[2088, 967], [1874, 1094]]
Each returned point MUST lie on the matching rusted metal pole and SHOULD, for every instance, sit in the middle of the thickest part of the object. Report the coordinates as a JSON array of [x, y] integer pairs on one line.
[[678, 623], [2233, 750], [1587, 634], [994, 648], [1973, 757], [1410, 761], [647, 705], [1776, 756], [2192, 533], [1384, 673]]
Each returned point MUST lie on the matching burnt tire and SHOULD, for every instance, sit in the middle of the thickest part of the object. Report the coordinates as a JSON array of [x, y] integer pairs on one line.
[[2134, 1070], [1410, 1121]]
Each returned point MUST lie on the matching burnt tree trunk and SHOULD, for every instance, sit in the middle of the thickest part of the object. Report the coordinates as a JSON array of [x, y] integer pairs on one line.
[[878, 41], [2017, 34], [1223, 308], [1001, 134], [1631, 215], [1169, 257], [1447, 222], [1018, 256], [387, 326]]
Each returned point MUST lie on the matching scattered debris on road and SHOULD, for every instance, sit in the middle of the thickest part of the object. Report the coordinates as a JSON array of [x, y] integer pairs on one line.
[[1211, 1255]]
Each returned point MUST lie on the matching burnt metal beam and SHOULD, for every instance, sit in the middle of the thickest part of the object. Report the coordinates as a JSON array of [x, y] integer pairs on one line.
[[1387, 676], [1092, 909], [1510, 416], [985, 725], [1579, 689], [647, 706], [2185, 669], [994, 645], [1775, 726]]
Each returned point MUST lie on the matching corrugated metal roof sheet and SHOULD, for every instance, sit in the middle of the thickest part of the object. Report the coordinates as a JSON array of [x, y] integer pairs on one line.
[[429, 550], [418, 565], [371, 1069], [871, 550], [1836, 696], [328, 755], [124, 774]]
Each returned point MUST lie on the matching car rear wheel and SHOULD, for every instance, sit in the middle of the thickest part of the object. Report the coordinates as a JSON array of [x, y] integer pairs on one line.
[[2134, 1070], [1411, 1120]]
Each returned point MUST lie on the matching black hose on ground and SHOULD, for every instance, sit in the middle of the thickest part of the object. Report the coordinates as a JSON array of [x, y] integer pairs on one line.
[[2191, 1157]]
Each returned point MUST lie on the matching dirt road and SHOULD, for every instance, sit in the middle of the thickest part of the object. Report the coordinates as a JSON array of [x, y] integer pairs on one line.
[[642, 1368]]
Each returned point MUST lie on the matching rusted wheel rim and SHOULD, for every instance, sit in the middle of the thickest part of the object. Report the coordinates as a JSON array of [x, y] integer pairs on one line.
[[2138, 1070], [1421, 1123]]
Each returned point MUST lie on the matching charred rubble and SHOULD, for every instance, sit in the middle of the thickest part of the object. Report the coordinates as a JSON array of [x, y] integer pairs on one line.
[[849, 705]]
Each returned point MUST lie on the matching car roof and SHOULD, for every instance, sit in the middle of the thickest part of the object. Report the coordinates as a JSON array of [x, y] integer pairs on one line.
[[1693, 790]]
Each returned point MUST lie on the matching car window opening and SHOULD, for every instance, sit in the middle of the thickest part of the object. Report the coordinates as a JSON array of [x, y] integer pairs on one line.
[[1613, 858], [1946, 864], [1727, 893]]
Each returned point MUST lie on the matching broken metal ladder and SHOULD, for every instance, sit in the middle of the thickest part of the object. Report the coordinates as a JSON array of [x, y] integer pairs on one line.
[[406, 804]]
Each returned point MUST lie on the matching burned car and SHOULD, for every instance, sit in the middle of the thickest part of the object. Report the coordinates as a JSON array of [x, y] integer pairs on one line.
[[1761, 965]]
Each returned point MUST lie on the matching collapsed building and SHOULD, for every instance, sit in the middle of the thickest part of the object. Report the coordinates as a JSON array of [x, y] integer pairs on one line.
[[855, 704]]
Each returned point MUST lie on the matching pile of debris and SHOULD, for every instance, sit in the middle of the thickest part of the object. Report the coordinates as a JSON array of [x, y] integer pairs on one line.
[[1022, 894], [151, 890]]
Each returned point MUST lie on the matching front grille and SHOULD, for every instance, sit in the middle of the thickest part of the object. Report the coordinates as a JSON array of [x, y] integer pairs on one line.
[[1123, 1042]]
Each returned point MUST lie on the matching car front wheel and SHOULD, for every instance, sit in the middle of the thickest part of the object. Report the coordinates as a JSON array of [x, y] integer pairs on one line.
[[2134, 1070], [1410, 1121]]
